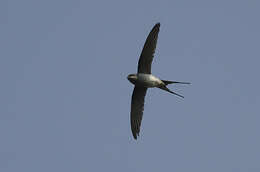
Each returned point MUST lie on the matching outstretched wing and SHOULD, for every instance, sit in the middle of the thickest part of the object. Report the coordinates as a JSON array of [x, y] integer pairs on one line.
[[146, 58], [137, 108]]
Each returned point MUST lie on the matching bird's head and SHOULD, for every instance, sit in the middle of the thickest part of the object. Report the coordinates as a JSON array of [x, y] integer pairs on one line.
[[132, 78]]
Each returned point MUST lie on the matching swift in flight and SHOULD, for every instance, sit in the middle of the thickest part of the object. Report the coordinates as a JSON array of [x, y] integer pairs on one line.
[[144, 80]]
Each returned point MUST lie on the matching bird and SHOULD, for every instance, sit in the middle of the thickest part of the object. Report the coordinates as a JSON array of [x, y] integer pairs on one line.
[[143, 80]]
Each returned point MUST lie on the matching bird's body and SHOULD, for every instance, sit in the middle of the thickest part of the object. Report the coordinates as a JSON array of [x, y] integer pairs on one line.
[[144, 80]]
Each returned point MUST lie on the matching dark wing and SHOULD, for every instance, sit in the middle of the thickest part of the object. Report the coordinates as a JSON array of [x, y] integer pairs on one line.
[[146, 58], [137, 108]]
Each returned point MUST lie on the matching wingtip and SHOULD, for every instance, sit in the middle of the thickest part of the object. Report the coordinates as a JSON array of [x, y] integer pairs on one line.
[[135, 137], [156, 27]]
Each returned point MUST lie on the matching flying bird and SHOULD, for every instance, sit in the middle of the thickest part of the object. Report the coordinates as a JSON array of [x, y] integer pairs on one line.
[[144, 80]]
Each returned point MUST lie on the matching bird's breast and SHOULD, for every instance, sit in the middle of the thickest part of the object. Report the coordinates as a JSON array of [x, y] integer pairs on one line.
[[148, 80]]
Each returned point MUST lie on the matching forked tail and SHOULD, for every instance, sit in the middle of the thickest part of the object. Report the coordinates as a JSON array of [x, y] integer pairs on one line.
[[174, 82], [167, 89]]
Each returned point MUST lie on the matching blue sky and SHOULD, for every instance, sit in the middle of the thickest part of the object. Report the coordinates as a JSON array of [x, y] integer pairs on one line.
[[65, 100]]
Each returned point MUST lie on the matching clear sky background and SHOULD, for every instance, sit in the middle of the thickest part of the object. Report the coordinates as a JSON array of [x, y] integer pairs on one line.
[[65, 100]]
